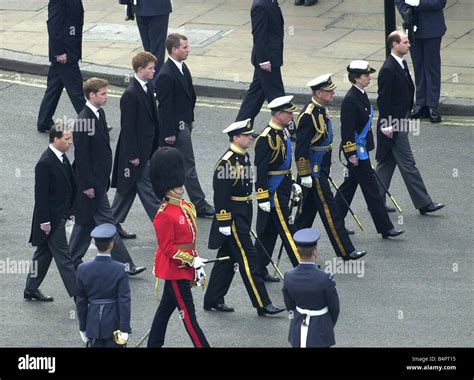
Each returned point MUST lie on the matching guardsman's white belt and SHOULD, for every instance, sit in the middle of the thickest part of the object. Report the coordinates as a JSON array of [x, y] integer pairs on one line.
[[305, 324]]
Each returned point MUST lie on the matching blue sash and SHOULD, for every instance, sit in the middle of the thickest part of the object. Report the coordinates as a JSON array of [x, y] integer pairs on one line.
[[275, 180], [361, 139], [316, 157]]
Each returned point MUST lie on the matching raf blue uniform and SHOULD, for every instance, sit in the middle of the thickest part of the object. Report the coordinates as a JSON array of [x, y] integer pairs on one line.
[[103, 295], [311, 295]]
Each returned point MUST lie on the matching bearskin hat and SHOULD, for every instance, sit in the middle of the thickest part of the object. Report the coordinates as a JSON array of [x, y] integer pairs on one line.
[[166, 170]]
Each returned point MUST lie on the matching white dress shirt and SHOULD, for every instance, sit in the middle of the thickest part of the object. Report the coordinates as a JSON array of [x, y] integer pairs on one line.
[[178, 64], [399, 60], [58, 153], [93, 108], [142, 83]]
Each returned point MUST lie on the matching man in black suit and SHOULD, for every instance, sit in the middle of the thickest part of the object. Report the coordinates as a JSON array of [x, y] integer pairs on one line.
[[65, 20], [428, 18], [310, 295], [55, 189], [93, 163], [137, 142], [103, 295], [395, 100], [176, 96], [152, 20], [267, 58]]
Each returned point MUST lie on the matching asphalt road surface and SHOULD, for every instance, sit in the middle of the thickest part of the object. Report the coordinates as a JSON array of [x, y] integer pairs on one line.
[[415, 290]]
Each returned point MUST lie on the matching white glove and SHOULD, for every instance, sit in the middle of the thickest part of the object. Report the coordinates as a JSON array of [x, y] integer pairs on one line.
[[84, 338], [123, 336], [198, 262], [265, 206], [413, 3], [307, 181], [200, 276], [296, 189], [225, 231]]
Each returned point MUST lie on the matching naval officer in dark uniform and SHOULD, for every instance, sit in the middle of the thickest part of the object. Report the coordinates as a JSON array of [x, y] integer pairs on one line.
[[230, 230], [274, 182], [314, 135], [310, 296], [357, 140], [103, 295]]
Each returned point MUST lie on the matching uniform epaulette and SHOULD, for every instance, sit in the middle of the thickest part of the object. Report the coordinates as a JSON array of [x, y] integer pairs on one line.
[[309, 109], [265, 131], [226, 156], [162, 207]]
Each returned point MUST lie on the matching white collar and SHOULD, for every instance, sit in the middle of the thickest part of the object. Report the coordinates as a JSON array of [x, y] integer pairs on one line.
[[58, 153], [142, 82], [399, 60], [104, 255], [361, 90], [178, 64], [93, 108], [307, 262]]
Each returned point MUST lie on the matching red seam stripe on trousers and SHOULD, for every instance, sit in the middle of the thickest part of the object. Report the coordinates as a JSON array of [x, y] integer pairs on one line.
[[187, 320]]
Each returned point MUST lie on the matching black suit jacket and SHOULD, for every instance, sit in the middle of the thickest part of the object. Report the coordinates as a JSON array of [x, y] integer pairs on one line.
[[55, 189], [176, 97], [355, 112], [65, 21], [311, 288], [103, 279], [395, 101], [268, 33], [138, 135], [92, 161]]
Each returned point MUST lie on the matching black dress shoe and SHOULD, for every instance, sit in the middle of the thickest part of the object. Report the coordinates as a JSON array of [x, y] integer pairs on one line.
[[45, 130], [355, 255], [36, 295], [219, 307], [392, 233], [299, 2], [136, 270], [432, 207], [308, 3], [268, 278], [206, 212], [350, 232], [435, 117], [389, 209], [270, 310], [419, 112], [124, 234]]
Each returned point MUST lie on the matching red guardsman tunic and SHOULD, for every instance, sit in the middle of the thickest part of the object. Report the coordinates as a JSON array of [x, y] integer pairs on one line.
[[176, 230]]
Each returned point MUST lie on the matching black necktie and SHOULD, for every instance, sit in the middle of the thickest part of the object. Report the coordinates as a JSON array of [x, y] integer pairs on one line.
[[405, 68]]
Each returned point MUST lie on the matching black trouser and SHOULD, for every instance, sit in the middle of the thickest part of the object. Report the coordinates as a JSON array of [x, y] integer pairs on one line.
[[426, 57], [153, 32], [320, 199], [364, 175], [176, 294], [55, 246], [277, 224], [80, 239], [59, 76], [265, 86], [243, 256]]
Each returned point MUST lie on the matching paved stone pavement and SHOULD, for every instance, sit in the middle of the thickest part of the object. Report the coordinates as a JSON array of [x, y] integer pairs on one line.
[[318, 39]]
